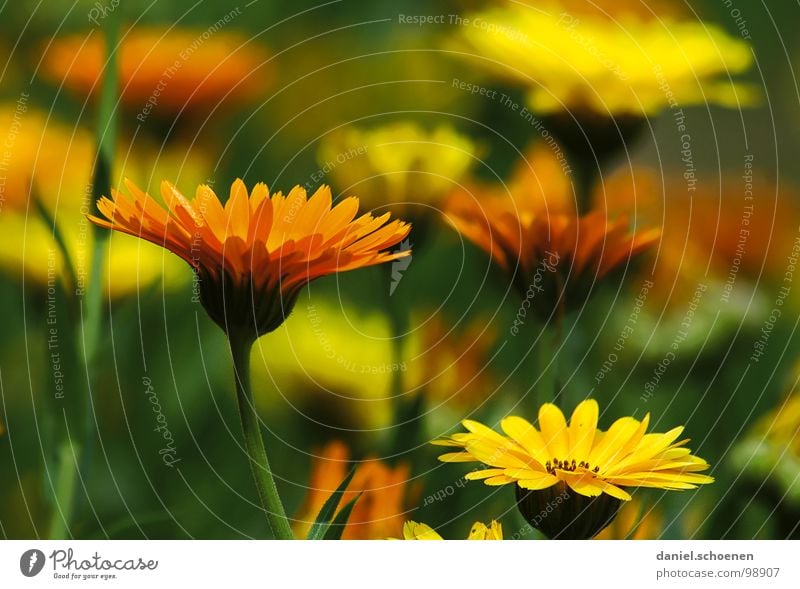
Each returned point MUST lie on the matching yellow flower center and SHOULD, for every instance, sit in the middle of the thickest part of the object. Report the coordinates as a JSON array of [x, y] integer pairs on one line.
[[569, 466]]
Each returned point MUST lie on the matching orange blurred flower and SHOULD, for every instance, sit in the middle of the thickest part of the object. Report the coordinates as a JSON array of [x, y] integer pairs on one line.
[[164, 71], [52, 161], [738, 228], [259, 249], [545, 246], [542, 179], [452, 365], [378, 514]]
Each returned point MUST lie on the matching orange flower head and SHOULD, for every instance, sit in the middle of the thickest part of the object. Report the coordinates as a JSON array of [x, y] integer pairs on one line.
[[551, 253], [163, 72], [253, 255], [385, 494]]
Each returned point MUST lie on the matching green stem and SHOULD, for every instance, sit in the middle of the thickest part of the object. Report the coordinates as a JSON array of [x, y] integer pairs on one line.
[[406, 409], [254, 443], [584, 178], [78, 460], [546, 367], [65, 480], [398, 324]]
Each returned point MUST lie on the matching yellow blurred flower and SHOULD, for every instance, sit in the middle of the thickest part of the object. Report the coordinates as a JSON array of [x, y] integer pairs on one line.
[[634, 521], [617, 63], [771, 449], [402, 164], [164, 71], [52, 157], [335, 362], [385, 494], [418, 531], [54, 161]]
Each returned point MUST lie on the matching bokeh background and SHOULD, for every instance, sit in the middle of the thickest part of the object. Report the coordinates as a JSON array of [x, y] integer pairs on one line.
[[371, 366]]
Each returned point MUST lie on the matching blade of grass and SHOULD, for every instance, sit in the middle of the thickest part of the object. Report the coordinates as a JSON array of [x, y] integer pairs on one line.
[[336, 529], [328, 510]]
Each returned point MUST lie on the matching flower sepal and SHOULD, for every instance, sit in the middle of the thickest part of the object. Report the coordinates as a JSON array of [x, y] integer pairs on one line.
[[562, 514]]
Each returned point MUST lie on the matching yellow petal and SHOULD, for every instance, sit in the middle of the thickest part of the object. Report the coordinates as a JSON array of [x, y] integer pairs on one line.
[[554, 431], [582, 427], [238, 210], [527, 436]]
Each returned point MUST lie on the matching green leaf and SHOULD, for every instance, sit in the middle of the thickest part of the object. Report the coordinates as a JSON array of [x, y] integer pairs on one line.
[[336, 529], [58, 237], [328, 510]]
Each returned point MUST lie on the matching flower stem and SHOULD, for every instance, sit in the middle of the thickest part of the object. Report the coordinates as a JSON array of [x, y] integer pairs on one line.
[[74, 456], [64, 489], [254, 443], [545, 355]]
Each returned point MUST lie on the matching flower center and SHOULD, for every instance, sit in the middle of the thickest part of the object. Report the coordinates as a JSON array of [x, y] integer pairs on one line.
[[569, 466]]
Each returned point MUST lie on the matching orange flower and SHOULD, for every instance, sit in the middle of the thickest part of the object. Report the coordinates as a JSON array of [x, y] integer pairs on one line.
[[452, 365], [546, 251], [253, 255], [739, 230], [163, 71], [379, 512]]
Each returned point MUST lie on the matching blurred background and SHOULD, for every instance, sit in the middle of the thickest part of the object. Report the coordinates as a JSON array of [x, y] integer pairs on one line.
[[373, 100]]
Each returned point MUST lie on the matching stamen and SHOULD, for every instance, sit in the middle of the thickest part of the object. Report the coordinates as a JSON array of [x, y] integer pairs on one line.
[[568, 465]]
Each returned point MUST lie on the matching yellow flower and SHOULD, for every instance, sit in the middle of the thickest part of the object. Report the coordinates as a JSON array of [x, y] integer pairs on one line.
[[771, 449], [253, 255], [53, 161], [586, 60], [584, 466], [402, 165], [164, 71], [416, 531], [384, 489], [635, 521], [589, 460], [480, 531], [335, 362]]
